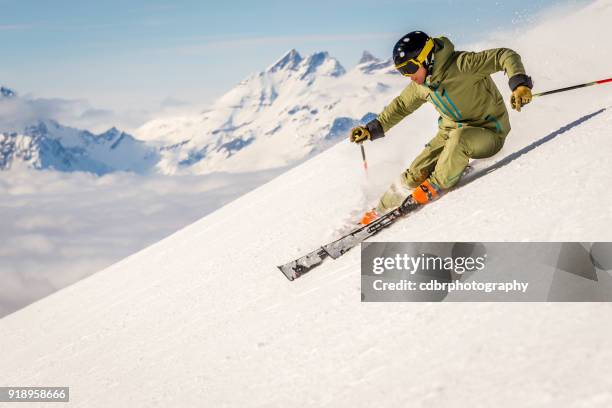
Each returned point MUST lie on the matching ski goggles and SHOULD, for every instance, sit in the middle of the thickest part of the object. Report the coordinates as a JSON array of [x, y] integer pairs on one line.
[[411, 66]]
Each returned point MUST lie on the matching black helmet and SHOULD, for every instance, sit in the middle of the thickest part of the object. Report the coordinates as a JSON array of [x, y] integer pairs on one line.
[[411, 52]]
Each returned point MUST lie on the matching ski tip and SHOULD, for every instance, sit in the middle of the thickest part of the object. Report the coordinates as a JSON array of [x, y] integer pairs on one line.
[[300, 266], [288, 272]]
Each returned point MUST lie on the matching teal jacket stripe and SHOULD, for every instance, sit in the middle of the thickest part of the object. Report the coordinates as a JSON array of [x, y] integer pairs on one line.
[[498, 126], [439, 107], [446, 108], [451, 103]]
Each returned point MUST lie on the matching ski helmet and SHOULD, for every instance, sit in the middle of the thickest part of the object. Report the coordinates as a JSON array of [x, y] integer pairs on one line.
[[412, 51]]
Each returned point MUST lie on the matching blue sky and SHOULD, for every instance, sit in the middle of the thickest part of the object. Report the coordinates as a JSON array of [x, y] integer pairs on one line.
[[136, 54]]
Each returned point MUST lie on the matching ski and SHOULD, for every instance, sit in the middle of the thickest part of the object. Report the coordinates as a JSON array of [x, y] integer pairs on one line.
[[294, 269]]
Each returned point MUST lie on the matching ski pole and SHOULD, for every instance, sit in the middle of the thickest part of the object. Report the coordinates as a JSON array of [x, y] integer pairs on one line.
[[365, 162], [569, 88]]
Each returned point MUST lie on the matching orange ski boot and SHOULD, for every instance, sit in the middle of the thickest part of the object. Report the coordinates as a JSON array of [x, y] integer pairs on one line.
[[369, 216], [426, 192]]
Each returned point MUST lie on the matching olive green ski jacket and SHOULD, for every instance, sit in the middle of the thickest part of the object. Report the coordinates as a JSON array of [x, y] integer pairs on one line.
[[460, 88]]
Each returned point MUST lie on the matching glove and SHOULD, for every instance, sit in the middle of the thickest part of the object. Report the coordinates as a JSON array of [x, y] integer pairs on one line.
[[360, 134], [521, 96]]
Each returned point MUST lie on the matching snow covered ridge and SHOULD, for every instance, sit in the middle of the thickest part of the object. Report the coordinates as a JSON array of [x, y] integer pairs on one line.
[[296, 108], [49, 145]]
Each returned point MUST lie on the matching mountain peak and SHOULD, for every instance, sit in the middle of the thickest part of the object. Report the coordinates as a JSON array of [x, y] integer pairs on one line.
[[7, 92], [290, 61], [367, 57], [110, 134], [322, 63]]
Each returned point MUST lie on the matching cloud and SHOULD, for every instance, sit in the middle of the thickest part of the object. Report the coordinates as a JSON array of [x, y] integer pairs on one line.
[[18, 112], [170, 102], [35, 244], [97, 114], [14, 27]]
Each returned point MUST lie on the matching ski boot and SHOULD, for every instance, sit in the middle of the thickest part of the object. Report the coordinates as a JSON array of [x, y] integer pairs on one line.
[[423, 194], [369, 216], [426, 192]]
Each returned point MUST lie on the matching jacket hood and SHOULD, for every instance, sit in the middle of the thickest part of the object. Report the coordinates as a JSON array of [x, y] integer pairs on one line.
[[443, 51]]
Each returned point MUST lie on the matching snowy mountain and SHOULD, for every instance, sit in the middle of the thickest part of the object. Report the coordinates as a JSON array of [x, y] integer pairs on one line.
[[204, 318], [294, 109], [49, 145]]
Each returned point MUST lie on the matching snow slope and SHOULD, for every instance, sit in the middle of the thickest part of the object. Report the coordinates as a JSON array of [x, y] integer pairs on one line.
[[203, 318]]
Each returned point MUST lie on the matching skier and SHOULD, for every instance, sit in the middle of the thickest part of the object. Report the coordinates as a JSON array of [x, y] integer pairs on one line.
[[473, 120]]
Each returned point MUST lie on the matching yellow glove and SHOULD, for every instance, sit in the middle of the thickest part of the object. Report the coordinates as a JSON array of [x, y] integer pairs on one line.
[[521, 96], [360, 134]]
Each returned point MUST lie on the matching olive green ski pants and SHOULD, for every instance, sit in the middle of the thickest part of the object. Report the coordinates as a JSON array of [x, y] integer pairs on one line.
[[443, 161]]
